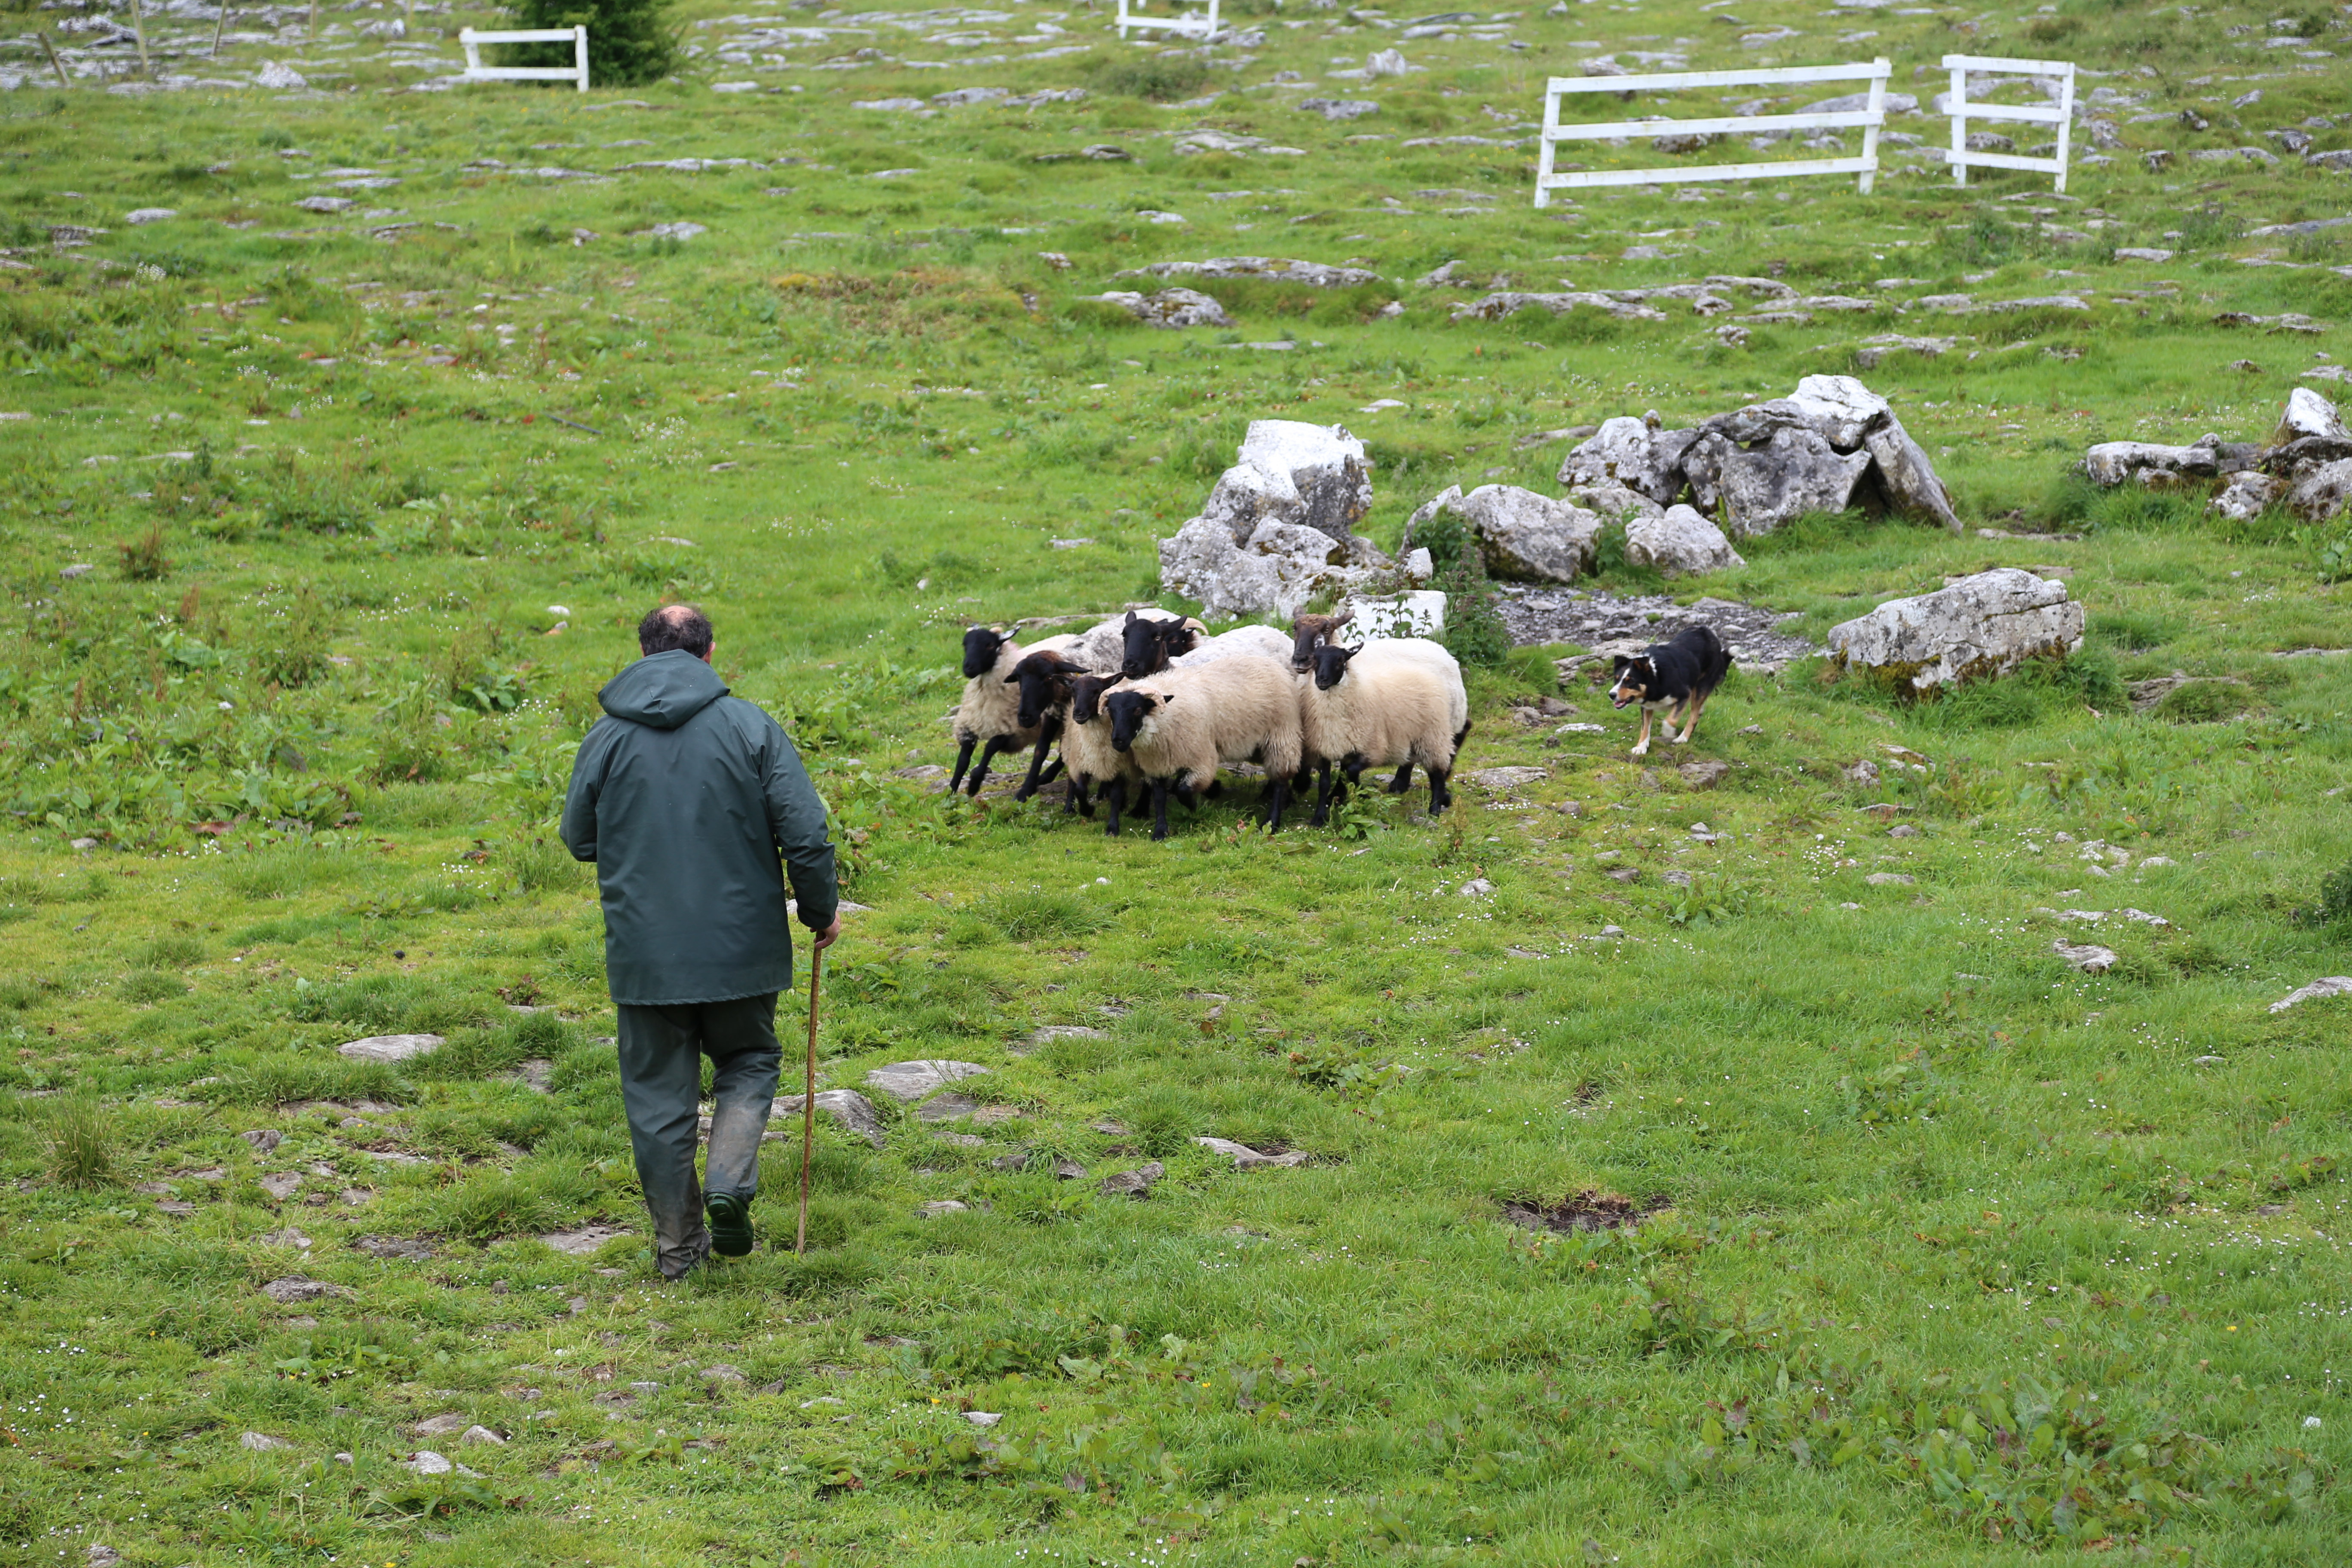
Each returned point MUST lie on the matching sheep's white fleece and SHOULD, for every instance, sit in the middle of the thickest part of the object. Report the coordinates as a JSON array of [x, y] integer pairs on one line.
[[1231, 710], [991, 708], [1089, 755], [1389, 707], [1104, 647], [1261, 642]]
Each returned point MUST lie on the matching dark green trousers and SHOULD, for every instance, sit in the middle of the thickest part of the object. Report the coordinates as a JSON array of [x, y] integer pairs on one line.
[[661, 1078]]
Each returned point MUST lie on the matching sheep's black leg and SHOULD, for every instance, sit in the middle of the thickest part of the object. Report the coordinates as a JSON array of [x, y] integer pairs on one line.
[[1159, 809], [1075, 801], [963, 761], [1439, 797], [1114, 797], [1322, 798], [1277, 790], [1403, 779], [980, 769], [1302, 781], [1047, 733]]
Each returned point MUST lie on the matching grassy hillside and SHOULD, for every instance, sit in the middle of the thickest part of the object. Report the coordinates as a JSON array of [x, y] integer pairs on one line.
[[1789, 1200]]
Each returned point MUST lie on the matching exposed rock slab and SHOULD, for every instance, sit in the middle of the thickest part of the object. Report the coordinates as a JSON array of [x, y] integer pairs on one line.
[[1169, 308], [390, 1047], [1522, 535], [1314, 274], [2334, 985], [1980, 626], [1609, 621], [909, 1081], [850, 1110], [1245, 1158]]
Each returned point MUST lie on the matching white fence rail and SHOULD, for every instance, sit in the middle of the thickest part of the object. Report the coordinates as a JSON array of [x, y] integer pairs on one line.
[[1194, 22], [2060, 114], [1869, 118], [576, 71]]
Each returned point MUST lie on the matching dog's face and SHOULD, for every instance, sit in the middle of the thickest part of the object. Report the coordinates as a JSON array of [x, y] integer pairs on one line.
[[979, 647], [1635, 678], [1129, 712], [1330, 665], [1087, 694]]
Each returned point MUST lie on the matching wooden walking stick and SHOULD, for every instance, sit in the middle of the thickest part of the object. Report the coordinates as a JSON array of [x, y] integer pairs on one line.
[[808, 1101]]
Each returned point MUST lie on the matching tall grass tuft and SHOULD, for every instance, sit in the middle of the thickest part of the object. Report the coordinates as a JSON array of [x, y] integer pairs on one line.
[[75, 1144]]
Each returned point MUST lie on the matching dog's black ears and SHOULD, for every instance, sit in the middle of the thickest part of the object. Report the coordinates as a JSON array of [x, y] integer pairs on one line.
[[1620, 665]]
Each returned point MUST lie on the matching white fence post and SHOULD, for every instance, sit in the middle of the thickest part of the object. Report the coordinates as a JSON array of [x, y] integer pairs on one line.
[[1869, 118], [1962, 111], [576, 72], [1204, 25]]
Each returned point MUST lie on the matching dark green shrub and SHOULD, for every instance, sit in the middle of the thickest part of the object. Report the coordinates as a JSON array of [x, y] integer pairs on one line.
[[1154, 77], [629, 41]]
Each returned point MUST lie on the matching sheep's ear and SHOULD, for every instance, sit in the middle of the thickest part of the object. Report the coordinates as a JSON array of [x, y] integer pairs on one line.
[[1130, 617], [1114, 678], [1014, 679], [1167, 697]]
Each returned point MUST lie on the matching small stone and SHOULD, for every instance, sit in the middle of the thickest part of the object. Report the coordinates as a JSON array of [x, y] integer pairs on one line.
[[299, 1288], [440, 1425], [941, 1206], [280, 1185], [263, 1139], [1245, 1158], [1902, 830], [426, 1462], [1625, 874], [260, 1442], [481, 1435], [1504, 781], [573, 1243], [850, 1110], [1048, 1034], [1475, 888], [390, 1047], [946, 1108], [1890, 880], [983, 1417], [909, 1081], [2090, 958], [1703, 775], [290, 1238], [325, 203], [149, 214], [275, 75], [723, 1373], [1132, 1184], [2334, 985]]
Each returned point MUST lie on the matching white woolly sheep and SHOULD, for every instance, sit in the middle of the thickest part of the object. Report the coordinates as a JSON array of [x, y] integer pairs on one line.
[[1258, 642], [1092, 762], [1181, 725], [989, 715], [1370, 707]]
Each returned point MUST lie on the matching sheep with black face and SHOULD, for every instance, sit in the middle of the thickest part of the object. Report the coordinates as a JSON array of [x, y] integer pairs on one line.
[[989, 715], [1373, 706], [1180, 726]]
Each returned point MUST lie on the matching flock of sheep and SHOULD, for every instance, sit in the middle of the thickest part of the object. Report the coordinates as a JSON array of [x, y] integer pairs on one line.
[[1149, 701]]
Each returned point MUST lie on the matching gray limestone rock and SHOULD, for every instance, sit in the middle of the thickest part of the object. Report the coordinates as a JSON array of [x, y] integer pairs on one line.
[[1794, 472], [1979, 627], [1132, 1184], [390, 1047], [850, 1110], [2323, 492], [2245, 495], [1679, 541], [1907, 479], [909, 1081], [1169, 308], [2334, 985]]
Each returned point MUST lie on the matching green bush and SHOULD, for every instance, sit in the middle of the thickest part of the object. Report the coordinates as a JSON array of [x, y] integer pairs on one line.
[[629, 41], [1154, 77]]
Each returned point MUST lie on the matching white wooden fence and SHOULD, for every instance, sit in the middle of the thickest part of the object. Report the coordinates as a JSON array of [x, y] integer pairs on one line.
[[576, 71], [2061, 114], [1203, 22], [1869, 118]]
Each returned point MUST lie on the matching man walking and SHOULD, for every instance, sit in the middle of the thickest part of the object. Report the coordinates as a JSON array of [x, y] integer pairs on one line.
[[683, 797]]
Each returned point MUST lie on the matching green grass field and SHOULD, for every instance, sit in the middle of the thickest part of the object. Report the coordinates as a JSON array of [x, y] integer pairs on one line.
[[1910, 1242]]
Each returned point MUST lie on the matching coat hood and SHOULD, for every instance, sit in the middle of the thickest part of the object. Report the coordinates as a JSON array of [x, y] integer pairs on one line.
[[662, 690]]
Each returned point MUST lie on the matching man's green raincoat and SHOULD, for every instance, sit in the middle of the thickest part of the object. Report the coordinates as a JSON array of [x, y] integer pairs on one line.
[[683, 797]]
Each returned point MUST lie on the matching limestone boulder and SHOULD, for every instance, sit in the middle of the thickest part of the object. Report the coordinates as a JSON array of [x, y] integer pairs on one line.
[[2112, 463], [1521, 534], [1907, 479], [2307, 414], [1979, 628], [2322, 493], [1759, 488], [1274, 571], [2245, 495], [1169, 308], [1623, 452], [1291, 471], [1678, 541]]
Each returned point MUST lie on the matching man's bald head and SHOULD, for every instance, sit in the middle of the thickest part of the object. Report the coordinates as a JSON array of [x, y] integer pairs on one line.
[[675, 626]]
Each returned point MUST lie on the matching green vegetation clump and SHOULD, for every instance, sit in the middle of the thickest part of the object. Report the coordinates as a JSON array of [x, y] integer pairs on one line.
[[630, 42]]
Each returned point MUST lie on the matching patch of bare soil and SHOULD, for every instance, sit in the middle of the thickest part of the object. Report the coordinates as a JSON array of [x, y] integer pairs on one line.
[[1591, 1209]]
